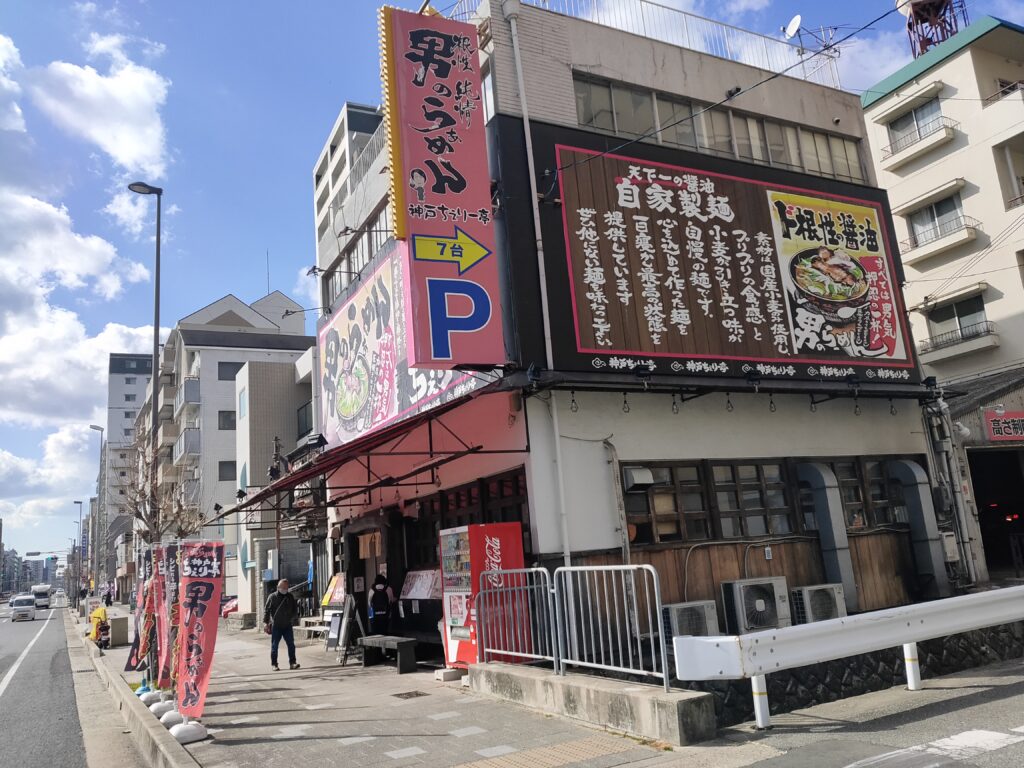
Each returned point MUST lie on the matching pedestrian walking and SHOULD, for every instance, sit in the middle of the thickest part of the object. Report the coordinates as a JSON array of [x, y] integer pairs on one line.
[[107, 599], [279, 615], [382, 598]]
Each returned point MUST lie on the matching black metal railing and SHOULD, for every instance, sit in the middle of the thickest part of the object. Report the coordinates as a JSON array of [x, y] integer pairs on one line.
[[968, 332], [937, 231], [922, 132], [1003, 92], [1015, 202]]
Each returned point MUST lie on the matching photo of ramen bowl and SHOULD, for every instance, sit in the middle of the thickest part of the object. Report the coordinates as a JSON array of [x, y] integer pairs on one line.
[[831, 281]]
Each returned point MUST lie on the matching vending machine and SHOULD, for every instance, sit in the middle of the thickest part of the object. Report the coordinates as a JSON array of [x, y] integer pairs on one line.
[[466, 552]]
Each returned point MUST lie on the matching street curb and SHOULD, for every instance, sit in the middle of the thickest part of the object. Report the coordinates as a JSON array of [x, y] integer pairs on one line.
[[152, 739]]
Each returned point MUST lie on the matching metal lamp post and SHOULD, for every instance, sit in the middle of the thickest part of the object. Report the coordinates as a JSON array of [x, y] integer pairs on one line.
[[141, 188], [99, 547], [78, 556]]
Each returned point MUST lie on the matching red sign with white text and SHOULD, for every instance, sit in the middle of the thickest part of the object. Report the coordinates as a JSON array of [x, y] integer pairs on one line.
[[441, 190], [1008, 427], [202, 574]]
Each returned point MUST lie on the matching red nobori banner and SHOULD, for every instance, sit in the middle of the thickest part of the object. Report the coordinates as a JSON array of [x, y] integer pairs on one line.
[[441, 189], [202, 568], [160, 616], [1006, 427]]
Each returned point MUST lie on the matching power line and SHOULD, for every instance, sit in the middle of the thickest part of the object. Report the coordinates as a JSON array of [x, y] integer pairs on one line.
[[994, 243]]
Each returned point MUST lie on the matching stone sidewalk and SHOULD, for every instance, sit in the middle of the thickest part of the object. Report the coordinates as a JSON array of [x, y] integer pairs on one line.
[[325, 713]]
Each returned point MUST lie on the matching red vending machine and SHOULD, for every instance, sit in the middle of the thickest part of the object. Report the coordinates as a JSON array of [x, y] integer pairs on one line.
[[466, 552]]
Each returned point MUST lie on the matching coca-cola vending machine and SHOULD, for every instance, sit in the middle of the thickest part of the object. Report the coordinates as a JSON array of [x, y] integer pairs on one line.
[[466, 552]]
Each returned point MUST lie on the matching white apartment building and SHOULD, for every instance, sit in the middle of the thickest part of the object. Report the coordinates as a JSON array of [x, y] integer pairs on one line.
[[127, 379], [196, 470], [947, 142]]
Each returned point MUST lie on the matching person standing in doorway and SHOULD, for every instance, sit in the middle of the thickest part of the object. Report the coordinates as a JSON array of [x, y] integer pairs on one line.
[[279, 614], [382, 598]]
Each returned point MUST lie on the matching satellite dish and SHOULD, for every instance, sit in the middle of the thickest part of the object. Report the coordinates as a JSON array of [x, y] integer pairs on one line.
[[904, 7], [792, 28]]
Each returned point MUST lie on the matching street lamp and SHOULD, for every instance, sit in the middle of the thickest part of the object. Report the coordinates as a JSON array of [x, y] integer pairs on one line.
[[141, 188], [78, 553], [99, 546]]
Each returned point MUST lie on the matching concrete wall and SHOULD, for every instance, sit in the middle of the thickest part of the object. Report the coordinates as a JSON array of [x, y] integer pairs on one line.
[[703, 429], [553, 46]]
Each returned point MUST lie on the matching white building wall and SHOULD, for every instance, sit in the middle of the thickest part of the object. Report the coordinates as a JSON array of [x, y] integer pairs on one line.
[[976, 156], [703, 429]]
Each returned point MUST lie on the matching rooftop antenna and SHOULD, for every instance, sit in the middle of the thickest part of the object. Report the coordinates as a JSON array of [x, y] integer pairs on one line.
[[821, 45], [930, 22]]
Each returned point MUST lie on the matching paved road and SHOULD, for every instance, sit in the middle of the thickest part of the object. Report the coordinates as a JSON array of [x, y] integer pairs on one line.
[[38, 714]]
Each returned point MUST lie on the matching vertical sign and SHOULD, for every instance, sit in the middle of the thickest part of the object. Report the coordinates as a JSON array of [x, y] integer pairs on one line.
[[202, 568], [143, 570], [172, 581], [441, 189]]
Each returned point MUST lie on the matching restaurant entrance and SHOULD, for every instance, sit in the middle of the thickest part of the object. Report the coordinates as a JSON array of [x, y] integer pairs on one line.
[[998, 476]]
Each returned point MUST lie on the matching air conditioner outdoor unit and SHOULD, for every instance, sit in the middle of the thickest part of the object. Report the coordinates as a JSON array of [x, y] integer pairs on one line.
[[818, 603], [696, 618], [755, 604]]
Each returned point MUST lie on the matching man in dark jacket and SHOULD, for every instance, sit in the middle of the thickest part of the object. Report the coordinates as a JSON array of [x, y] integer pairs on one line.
[[279, 614]]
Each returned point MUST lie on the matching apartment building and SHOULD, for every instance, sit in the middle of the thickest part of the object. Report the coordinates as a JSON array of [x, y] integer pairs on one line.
[[196, 471], [947, 142], [275, 416], [127, 378]]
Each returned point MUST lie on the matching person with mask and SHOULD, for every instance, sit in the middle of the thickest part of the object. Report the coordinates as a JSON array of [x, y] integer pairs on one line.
[[279, 615]]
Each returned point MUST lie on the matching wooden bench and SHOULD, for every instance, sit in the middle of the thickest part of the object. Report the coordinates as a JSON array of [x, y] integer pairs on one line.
[[375, 645]]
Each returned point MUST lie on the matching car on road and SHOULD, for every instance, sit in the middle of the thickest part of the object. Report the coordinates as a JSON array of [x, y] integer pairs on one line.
[[24, 607]]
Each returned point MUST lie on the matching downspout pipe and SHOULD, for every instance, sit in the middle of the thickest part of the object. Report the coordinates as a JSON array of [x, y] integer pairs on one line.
[[510, 10], [946, 448]]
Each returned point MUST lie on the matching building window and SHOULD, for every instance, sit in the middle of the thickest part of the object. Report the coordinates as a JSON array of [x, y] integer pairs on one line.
[[752, 500], [127, 431], [228, 371], [911, 127], [122, 455], [130, 414], [225, 470], [120, 491], [629, 111], [122, 474], [130, 398], [305, 420], [243, 404], [129, 380], [964, 318], [871, 498], [225, 419], [936, 220], [129, 364]]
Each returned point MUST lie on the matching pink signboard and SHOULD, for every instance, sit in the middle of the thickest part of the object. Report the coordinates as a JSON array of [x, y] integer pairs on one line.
[[1008, 427], [441, 190]]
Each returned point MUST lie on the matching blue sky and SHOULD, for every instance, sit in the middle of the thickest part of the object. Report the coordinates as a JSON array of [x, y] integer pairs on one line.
[[225, 105]]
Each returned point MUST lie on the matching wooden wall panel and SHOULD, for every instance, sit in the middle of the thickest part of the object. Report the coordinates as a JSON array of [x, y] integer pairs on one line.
[[882, 567]]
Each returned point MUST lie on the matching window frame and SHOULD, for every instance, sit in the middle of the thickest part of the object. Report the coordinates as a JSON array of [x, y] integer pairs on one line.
[[222, 419], [875, 513], [221, 367], [220, 471]]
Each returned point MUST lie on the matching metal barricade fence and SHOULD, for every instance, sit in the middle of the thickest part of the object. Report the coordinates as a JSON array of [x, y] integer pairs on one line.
[[609, 617], [515, 616]]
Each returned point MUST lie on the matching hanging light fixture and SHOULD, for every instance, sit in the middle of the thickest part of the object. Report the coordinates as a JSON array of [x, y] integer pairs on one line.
[[675, 404], [771, 402], [892, 408], [728, 402], [625, 403], [573, 405], [814, 405]]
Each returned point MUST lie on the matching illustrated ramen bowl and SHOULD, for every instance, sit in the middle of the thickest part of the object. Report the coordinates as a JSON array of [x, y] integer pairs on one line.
[[353, 392], [832, 282]]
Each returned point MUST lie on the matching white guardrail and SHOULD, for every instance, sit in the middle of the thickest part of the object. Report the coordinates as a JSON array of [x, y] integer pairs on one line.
[[754, 655]]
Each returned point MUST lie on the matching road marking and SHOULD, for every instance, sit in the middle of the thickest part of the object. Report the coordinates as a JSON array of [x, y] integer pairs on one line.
[[246, 719], [961, 747], [14, 667]]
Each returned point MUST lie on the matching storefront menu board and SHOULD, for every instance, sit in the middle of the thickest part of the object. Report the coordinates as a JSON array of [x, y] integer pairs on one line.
[[422, 585], [691, 272]]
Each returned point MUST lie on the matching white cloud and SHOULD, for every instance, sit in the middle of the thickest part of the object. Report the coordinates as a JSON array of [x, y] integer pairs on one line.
[[867, 59], [11, 118], [129, 211], [118, 111], [174, 209], [306, 288]]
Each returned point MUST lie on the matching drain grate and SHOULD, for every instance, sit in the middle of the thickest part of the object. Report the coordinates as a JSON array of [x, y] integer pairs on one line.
[[410, 695]]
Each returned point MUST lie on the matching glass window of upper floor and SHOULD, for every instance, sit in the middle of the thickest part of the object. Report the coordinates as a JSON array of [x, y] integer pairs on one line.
[[935, 220], [360, 251], [914, 125], [962, 318], [659, 118]]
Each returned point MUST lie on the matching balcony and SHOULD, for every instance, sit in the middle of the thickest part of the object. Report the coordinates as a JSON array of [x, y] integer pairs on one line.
[[941, 238], [186, 446], [166, 473], [165, 401], [913, 145], [963, 341], [188, 395], [168, 433]]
